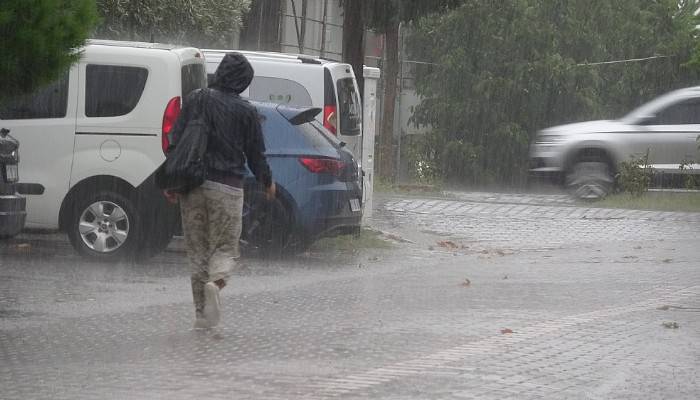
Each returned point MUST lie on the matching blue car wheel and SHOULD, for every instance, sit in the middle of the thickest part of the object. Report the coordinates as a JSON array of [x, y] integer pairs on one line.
[[266, 224]]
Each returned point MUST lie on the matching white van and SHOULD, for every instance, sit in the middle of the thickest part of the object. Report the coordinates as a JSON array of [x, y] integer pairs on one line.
[[305, 81], [91, 141]]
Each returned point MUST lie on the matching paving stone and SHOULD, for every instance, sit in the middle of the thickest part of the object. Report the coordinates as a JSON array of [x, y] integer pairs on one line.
[[583, 291]]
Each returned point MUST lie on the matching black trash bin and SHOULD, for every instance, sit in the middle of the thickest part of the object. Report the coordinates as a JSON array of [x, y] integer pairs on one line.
[[12, 206]]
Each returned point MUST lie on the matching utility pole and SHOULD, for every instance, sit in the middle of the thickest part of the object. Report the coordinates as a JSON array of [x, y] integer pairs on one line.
[[323, 27], [301, 30], [260, 25]]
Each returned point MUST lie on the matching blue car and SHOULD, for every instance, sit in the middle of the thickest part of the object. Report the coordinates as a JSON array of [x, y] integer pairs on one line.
[[318, 183]]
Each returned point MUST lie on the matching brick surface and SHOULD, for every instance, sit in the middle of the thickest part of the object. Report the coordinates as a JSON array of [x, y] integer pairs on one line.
[[561, 303]]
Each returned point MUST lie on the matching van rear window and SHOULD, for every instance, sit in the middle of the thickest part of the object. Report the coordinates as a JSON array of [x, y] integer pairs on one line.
[[193, 77], [279, 90], [113, 90], [349, 107]]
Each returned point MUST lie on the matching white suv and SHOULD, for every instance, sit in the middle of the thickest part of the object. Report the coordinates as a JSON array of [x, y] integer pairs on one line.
[[585, 156], [92, 140]]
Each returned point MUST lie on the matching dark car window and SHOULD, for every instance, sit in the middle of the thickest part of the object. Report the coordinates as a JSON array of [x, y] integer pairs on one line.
[[315, 138], [282, 136], [193, 77], [279, 134], [683, 113], [349, 107], [113, 90], [337, 143], [48, 102]]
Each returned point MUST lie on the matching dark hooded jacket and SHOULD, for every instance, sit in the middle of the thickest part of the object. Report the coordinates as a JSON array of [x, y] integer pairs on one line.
[[235, 135]]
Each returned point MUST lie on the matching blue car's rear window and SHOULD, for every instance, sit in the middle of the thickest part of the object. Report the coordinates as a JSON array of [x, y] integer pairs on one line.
[[283, 137]]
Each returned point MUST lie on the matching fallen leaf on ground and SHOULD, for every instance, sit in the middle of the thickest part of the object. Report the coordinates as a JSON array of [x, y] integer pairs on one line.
[[506, 331], [666, 308], [448, 244], [23, 246], [670, 325], [397, 238], [466, 282]]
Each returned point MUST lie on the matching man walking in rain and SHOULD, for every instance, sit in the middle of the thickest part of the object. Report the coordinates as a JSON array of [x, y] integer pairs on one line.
[[211, 213]]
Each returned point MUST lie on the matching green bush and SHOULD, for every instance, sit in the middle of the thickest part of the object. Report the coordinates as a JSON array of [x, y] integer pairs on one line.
[[634, 176], [201, 23], [690, 181], [454, 158]]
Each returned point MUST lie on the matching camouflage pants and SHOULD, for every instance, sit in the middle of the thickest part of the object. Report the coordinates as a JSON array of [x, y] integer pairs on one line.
[[211, 220]]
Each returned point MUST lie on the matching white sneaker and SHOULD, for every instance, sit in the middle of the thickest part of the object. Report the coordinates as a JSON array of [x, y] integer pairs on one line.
[[212, 305]]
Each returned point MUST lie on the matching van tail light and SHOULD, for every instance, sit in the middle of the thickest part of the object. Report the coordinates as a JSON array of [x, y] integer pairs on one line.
[[330, 118], [323, 165], [172, 111]]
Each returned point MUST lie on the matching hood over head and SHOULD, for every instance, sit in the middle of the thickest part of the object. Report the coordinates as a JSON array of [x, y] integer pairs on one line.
[[234, 74]]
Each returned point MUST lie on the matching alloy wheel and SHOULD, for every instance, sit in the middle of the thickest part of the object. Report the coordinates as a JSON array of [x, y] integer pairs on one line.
[[104, 226]]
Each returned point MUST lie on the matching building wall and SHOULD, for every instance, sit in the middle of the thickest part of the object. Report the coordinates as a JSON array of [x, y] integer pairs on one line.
[[313, 43]]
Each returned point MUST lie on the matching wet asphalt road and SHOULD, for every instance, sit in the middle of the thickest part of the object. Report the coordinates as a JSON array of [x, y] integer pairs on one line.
[[482, 296]]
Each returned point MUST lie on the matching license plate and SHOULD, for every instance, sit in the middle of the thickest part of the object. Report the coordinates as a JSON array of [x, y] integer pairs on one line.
[[11, 173], [354, 205]]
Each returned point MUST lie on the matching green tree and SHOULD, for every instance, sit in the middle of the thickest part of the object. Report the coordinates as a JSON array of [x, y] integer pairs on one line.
[[39, 40], [354, 20], [386, 16], [695, 58], [203, 23], [506, 69]]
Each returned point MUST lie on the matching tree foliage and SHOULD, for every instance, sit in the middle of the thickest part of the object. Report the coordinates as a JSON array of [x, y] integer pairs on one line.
[[503, 70], [385, 16], [203, 23], [38, 40], [695, 58], [382, 14]]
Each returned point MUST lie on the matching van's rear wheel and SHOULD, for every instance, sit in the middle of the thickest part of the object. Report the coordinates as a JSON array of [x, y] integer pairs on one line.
[[104, 226]]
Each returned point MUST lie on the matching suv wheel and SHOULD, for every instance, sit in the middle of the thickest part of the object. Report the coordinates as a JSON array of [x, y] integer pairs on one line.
[[590, 180], [104, 226]]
